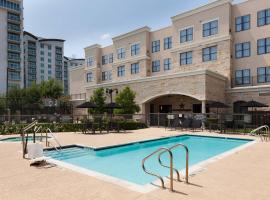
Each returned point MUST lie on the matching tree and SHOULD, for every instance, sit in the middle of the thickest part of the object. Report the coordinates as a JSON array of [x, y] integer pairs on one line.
[[14, 99], [2, 104], [32, 98], [51, 89], [126, 100], [98, 98]]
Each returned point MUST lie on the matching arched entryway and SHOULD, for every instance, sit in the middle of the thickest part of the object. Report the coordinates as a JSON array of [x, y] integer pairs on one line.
[[158, 107]]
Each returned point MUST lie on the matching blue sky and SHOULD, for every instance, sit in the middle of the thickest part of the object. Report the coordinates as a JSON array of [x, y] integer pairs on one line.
[[85, 22]]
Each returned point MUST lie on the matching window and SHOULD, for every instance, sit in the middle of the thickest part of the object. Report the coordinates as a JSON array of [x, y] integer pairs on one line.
[[49, 66], [41, 52], [186, 58], [155, 46], [156, 66], [263, 46], [89, 77], [263, 74], [90, 62], [186, 35], [209, 53], [49, 60], [167, 43], [106, 76], [42, 58], [121, 53], [49, 54], [105, 60], [210, 28], [242, 77], [242, 23], [111, 58], [167, 64], [42, 46], [49, 47], [42, 71], [121, 71], [242, 50], [135, 49], [263, 17], [135, 68]]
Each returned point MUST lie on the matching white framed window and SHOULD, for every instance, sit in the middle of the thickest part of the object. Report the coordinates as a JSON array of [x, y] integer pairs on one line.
[[90, 62]]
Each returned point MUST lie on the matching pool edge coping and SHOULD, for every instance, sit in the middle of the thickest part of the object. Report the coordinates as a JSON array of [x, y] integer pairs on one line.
[[193, 170]]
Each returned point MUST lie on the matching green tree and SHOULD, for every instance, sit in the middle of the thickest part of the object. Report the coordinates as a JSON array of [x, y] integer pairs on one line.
[[32, 98], [51, 89], [15, 99], [98, 98], [126, 99], [2, 104]]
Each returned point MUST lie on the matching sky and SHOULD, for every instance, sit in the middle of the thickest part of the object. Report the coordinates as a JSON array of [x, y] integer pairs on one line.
[[85, 22]]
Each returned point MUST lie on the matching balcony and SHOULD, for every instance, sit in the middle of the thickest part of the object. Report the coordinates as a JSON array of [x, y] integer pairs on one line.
[[77, 97], [14, 57], [14, 37], [251, 81], [14, 47], [14, 28], [14, 18], [14, 66]]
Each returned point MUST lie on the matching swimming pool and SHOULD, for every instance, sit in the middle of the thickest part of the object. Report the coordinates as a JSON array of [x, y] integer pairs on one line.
[[19, 139], [124, 162]]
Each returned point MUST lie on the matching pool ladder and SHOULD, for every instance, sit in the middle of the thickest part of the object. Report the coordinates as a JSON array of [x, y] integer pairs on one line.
[[160, 152]]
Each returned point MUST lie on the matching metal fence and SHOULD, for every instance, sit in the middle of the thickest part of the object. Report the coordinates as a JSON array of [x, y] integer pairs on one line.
[[152, 119]]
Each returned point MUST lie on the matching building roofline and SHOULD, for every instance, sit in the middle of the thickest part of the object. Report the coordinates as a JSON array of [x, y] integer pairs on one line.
[[131, 33], [51, 39], [30, 34], [79, 59], [93, 46], [200, 9]]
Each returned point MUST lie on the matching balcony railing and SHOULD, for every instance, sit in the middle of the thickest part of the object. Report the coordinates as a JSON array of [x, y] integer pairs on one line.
[[251, 80], [13, 37], [14, 17], [81, 96], [14, 47], [14, 27]]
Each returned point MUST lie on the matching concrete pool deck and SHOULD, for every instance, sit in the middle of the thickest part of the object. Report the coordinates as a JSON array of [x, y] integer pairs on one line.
[[242, 175]]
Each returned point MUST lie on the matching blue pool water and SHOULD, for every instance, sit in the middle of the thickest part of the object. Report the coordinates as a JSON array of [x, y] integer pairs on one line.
[[19, 139], [124, 162]]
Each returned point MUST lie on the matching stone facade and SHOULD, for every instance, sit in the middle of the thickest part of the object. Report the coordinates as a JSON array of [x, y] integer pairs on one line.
[[198, 81]]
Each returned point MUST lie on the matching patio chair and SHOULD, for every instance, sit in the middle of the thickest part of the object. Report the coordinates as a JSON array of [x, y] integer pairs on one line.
[[186, 123], [196, 124]]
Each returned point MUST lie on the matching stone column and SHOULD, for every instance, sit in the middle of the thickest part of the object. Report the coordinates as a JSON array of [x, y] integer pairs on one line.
[[203, 112], [203, 106]]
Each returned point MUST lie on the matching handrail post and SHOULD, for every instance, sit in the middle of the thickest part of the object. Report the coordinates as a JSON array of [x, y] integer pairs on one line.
[[187, 164], [171, 171]]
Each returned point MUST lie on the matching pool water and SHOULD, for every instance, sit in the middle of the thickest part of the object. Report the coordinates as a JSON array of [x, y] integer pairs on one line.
[[124, 162], [19, 139]]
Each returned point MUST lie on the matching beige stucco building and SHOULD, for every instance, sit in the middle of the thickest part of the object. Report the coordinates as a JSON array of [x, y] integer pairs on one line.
[[217, 52]]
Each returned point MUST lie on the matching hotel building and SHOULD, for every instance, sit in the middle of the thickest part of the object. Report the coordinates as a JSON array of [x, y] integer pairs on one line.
[[217, 52], [11, 44], [44, 60]]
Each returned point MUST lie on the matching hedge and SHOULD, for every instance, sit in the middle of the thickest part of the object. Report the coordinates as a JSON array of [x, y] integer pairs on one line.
[[66, 127]]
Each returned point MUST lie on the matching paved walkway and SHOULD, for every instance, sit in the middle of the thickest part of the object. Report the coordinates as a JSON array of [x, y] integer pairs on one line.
[[244, 175]]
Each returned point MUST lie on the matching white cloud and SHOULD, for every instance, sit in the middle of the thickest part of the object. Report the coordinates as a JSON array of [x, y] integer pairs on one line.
[[105, 36]]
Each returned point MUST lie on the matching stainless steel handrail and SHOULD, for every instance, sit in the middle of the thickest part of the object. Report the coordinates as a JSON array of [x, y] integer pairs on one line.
[[171, 167], [187, 160], [53, 136], [23, 131], [265, 136]]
